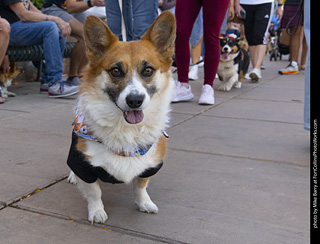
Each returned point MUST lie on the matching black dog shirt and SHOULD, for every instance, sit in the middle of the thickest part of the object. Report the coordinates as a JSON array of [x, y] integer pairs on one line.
[[88, 173]]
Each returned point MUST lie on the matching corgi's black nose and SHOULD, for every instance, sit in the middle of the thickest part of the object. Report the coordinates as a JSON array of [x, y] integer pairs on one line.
[[134, 100]]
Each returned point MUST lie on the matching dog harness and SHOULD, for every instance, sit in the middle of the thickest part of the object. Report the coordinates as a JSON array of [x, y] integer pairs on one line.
[[84, 170]]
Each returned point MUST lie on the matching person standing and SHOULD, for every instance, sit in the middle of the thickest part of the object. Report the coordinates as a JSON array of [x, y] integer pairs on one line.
[[293, 21], [186, 12], [256, 15], [135, 15]]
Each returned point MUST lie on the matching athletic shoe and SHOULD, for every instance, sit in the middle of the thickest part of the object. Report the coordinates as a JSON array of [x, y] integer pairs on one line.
[[255, 74], [44, 86], [62, 89], [75, 81], [182, 93], [207, 95], [193, 72], [2, 99], [201, 62], [291, 69]]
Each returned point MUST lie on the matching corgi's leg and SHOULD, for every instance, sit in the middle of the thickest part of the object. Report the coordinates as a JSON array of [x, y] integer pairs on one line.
[[141, 197], [72, 179], [226, 86], [92, 193], [237, 84], [11, 94], [232, 80]]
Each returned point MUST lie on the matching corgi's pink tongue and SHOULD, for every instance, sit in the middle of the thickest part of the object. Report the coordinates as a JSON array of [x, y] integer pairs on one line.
[[133, 117], [225, 55]]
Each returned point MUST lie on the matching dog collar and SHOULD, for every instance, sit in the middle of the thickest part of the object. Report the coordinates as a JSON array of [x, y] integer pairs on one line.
[[80, 128]]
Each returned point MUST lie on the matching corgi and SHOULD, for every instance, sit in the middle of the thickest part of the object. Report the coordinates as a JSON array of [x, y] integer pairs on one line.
[[122, 111], [7, 78], [234, 63]]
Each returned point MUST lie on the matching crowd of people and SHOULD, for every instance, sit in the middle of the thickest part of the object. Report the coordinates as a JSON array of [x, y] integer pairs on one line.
[[199, 25]]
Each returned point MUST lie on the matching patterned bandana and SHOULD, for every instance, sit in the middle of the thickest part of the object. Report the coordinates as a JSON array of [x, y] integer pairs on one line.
[[80, 128]]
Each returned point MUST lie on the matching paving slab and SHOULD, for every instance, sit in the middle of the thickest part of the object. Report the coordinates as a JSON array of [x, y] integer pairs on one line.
[[236, 172], [31, 159], [261, 140], [259, 110], [202, 198], [19, 226]]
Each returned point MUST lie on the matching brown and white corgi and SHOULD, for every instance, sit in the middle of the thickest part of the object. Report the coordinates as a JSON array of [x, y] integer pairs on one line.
[[7, 78], [234, 63], [122, 112]]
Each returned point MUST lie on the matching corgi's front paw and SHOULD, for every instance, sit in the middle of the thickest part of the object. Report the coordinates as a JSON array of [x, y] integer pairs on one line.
[[97, 213], [72, 178], [147, 206], [98, 216]]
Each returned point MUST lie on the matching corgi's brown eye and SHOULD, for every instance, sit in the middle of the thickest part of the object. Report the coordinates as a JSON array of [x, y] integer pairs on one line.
[[116, 72], [148, 71]]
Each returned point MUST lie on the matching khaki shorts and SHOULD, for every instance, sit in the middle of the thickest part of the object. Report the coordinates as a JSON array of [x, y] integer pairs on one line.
[[63, 14]]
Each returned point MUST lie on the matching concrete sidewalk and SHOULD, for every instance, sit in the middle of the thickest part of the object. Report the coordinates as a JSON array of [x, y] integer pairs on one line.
[[236, 172]]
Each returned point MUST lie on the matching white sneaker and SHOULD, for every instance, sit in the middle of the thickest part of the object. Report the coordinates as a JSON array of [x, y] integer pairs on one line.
[[193, 72], [182, 93], [257, 71], [201, 64], [207, 95], [255, 75], [291, 69]]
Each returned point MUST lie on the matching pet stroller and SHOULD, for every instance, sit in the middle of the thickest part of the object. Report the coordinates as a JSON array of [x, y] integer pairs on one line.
[[279, 45]]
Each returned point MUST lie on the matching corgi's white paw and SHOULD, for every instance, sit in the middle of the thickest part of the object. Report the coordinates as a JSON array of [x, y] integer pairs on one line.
[[147, 206], [237, 85], [72, 178], [98, 216], [225, 86]]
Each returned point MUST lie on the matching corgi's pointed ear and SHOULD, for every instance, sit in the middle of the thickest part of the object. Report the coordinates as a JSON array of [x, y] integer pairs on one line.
[[98, 37], [162, 34]]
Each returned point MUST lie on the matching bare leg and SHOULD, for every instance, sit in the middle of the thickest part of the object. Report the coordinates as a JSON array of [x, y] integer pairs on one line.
[[141, 197], [256, 55], [78, 57], [4, 40], [195, 52]]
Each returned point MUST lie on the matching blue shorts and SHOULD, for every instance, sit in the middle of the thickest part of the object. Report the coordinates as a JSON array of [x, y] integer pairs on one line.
[[197, 30]]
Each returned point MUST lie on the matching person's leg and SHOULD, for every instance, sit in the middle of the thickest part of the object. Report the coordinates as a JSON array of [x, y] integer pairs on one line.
[[186, 14], [263, 18], [47, 34], [144, 13], [195, 52], [295, 43], [212, 22], [113, 16], [304, 51], [4, 38], [195, 41], [78, 57], [258, 42]]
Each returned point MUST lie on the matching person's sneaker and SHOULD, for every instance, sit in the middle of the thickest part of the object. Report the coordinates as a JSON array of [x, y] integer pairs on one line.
[[207, 95], [74, 80], [62, 89], [182, 93], [44, 86], [255, 75], [291, 69], [193, 72]]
